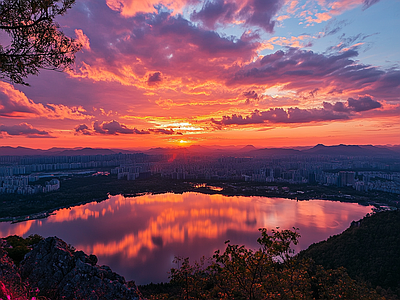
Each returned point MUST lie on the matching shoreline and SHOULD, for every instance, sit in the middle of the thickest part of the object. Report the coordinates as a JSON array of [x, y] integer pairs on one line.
[[44, 205]]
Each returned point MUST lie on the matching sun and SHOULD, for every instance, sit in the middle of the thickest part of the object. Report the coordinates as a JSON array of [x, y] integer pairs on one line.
[[183, 142]]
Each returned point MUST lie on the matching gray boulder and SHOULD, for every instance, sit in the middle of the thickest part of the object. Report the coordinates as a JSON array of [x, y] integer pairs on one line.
[[63, 273]]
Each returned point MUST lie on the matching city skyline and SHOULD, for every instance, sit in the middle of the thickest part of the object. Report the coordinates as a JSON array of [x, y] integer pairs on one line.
[[275, 73]]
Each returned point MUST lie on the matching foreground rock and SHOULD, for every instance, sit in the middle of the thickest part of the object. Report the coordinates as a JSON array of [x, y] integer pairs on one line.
[[10, 280], [59, 272]]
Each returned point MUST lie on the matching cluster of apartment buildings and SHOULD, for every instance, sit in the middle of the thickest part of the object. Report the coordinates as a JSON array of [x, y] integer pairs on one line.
[[22, 185], [340, 172], [361, 173]]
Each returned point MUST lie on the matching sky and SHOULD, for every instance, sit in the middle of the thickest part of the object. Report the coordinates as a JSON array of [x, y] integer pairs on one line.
[[171, 73]]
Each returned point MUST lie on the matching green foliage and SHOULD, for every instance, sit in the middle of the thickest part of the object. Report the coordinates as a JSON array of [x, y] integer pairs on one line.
[[369, 250], [35, 39], [271, 272], [20, 246]]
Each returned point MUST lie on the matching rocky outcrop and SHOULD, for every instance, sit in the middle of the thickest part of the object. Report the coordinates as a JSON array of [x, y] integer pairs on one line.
[[10, 280], [60, 272]]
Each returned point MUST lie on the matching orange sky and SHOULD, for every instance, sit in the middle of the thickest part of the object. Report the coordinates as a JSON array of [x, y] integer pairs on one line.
[[178, 73]]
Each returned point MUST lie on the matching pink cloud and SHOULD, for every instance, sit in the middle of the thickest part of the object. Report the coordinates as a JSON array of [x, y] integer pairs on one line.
[[329, 112], [161, 52], [131, 50], [331, 9], [15, 104], [24, 129], [304, 71], [82, 39], [129, 8], [116, 128], [248, 12]]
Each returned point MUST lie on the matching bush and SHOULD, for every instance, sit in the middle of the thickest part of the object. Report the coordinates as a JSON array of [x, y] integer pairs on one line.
[[271, 272]]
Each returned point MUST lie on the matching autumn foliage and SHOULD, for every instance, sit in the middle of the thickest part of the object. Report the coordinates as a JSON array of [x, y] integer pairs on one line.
[[271, 272]]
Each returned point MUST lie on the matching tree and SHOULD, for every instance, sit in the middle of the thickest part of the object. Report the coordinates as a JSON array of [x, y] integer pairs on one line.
[[271, 272], [35, 41]]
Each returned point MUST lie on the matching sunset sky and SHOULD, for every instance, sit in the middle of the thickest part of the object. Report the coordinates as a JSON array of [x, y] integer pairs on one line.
[[168, 73]]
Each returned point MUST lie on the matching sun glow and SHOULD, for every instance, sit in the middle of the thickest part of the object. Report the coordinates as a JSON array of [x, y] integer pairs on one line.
[[183, 142]]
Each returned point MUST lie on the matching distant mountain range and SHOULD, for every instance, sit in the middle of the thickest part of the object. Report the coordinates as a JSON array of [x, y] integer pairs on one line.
[[22, 151], [352, 150], [249, 151]]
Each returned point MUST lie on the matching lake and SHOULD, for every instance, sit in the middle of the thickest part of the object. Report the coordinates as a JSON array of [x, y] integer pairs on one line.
[[138, 237]]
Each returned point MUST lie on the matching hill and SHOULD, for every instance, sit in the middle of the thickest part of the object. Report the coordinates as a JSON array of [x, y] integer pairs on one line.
[[369, 250], [349, 150]]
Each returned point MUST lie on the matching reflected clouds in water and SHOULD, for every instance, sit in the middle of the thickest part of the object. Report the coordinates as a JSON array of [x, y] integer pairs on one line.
[[139, 236]]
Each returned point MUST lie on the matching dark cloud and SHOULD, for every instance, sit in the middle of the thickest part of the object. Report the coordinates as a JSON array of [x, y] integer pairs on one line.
[[251, 95], [355, 41], [164, 131], [280, 115], [314, 92], [368, 3], [362, 104], [83, 129], [112, 127], [281, 66], [115, 128], [329, 112], [154, 78], [213, 12], [302, 71], [271, 58], [24, 129], [258, 13], [333, 27]]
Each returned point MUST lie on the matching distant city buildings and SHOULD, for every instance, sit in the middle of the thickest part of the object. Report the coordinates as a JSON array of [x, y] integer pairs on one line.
[[21, 185], [364, 173]]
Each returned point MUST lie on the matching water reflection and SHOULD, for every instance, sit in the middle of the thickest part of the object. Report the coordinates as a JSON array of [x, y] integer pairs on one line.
[[138, 237]]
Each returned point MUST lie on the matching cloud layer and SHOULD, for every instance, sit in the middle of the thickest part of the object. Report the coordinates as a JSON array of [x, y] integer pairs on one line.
[[166, 68], [24, 129], [329, 112], [14, 104], [115, 128]]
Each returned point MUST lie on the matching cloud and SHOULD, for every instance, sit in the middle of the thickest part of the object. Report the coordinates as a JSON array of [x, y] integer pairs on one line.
[[369, 3], [112, 127], [213, 12], [14, 104], [162, 50], [251, 95], [329, 112], [362, 104], [24, 129], [350, 42], [322, 11], [164, 131], [82, 39], [258, 13], [296, 66], [168, 44], [116, 128], [154, 78], [129, 8], [280, 115], [304, 71], [83, 129]]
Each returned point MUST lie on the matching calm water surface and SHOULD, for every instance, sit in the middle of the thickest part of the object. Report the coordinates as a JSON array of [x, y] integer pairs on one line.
[[139, 237]]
